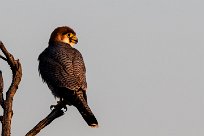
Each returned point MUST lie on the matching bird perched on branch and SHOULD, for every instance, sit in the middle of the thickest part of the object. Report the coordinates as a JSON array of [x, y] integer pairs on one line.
[[62, 67]]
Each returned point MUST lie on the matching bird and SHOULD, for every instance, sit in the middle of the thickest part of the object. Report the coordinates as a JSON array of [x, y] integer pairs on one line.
[[62, 68]]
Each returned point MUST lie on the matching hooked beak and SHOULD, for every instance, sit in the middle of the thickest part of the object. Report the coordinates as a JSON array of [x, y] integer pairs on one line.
[[75, 39]]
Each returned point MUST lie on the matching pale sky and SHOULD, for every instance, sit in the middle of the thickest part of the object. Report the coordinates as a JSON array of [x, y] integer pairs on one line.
[[144, 60]]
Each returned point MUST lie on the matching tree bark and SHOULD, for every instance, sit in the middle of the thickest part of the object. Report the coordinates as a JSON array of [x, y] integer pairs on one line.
[[7, 104]]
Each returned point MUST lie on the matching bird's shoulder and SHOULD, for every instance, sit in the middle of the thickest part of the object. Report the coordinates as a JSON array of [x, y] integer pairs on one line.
[[60, 53]]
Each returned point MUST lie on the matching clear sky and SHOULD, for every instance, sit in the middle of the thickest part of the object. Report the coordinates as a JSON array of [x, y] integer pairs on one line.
[[144, 59]]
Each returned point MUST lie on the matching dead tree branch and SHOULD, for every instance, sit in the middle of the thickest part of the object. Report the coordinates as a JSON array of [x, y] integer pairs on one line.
[[56, 112], [15, 66], [1, 90], [1, 94]]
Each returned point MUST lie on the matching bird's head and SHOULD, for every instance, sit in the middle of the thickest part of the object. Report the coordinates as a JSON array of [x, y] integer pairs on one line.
[[64, 34]]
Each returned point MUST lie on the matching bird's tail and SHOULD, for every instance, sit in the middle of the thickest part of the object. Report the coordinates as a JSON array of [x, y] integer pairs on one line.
[[82, 106]]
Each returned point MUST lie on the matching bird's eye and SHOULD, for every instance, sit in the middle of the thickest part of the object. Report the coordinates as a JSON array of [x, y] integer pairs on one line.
[[68, 34]]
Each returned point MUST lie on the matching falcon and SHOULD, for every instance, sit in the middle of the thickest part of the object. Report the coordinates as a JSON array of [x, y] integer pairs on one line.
[[62, 67]]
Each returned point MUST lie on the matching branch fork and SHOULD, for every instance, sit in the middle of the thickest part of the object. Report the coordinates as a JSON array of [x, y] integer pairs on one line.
[[7, 103]]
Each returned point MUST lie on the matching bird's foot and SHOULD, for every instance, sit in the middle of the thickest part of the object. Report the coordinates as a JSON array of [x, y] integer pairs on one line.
[[59, 105]]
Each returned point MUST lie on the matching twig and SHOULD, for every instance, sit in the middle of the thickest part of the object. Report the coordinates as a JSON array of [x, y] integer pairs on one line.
[[8, 102], [57, 112], [2, 57]]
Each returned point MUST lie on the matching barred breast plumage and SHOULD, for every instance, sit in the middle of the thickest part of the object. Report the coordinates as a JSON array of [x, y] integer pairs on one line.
[[62, 66]]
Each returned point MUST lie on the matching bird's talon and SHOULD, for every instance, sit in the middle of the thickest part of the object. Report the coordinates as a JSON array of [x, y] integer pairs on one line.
[[52, 107], [65, 108], [59, 105]]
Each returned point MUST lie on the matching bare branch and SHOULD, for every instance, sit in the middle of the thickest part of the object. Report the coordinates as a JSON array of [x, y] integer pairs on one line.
[[8, 103], [1, 90], [57, 112], [2, 57]]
